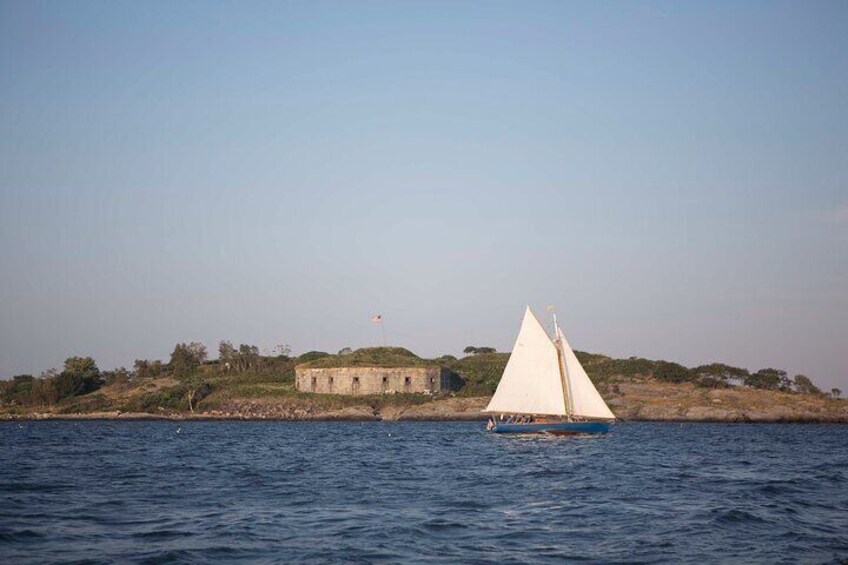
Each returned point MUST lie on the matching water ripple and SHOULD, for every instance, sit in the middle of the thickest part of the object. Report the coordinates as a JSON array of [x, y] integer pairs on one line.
[[115, 492]]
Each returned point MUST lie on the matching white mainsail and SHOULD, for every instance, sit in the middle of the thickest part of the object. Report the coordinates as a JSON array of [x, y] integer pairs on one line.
[[531, 382], [586, 401]]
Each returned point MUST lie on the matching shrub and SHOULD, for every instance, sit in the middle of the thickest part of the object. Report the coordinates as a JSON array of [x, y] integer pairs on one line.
[[671, 372], [81, 376]]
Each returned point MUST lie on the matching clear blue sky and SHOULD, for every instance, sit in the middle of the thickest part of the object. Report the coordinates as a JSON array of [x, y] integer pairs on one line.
[[672, 176]]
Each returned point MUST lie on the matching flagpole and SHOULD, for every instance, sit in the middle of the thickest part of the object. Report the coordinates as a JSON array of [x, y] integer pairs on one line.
[[378, 319]]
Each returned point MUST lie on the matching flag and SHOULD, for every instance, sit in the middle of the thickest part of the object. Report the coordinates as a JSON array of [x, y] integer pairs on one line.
[[377, 318]]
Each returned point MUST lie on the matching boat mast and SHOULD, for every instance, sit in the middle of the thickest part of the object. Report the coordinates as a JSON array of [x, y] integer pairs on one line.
[[563, 372]]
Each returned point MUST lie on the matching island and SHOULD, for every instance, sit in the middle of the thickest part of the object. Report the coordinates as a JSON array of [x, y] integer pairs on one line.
[[393, 383]]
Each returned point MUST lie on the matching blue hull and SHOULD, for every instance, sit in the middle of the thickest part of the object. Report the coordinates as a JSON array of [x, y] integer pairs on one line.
[[556, 428]]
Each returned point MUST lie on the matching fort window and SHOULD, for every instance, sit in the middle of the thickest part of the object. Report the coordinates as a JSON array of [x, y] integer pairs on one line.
[[355, 384], [384, 386], [407, 382], [314, 383], [331, 383]]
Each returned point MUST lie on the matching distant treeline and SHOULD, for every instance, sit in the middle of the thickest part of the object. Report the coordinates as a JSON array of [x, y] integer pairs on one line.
[[81, 375], [483, 368], [714, 375], [195, 376]]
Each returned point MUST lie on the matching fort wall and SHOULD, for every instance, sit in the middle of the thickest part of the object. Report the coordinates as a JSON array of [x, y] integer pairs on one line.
[[372, 380]]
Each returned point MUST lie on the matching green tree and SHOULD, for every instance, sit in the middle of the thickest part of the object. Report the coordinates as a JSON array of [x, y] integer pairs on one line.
[[19, 390], [198, 351], [245, 358], [472, 350], [719, 375], [248, 358], [804, 385], [22, 385], [671, 372], [80, 376], [767, 379], [186, 358], [226, 355], [142, 368]]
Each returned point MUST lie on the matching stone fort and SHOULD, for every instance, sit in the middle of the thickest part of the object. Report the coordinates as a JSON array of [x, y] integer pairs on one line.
[[373, 380]]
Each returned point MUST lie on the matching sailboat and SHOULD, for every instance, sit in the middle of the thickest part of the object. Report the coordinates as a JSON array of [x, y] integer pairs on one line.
[[544, 388]]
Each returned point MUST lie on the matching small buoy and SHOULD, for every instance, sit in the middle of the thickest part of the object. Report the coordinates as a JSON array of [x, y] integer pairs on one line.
[[390, 435], [178, 430]]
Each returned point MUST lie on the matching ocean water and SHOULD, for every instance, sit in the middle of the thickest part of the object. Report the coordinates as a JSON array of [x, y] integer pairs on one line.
[[306, 492]]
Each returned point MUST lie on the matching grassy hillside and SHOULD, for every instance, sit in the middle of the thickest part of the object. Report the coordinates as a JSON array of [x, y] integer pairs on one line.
[[389, 357], [480, 373]]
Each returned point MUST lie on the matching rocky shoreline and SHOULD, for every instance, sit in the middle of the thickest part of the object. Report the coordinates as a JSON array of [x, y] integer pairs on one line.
[[718, 406]]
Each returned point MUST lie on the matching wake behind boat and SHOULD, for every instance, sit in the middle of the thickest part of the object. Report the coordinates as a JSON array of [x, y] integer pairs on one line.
[[544, 388]]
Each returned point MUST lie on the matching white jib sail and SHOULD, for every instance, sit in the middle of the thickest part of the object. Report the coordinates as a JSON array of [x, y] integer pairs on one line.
[[586, 401], [531, 382]]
